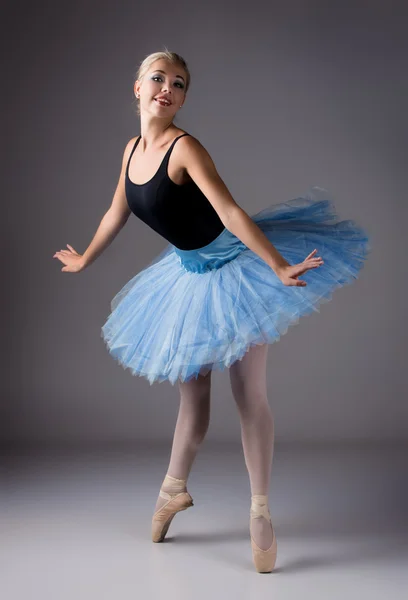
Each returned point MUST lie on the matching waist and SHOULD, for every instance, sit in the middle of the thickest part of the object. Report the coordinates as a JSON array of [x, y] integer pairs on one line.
[[214, 255]]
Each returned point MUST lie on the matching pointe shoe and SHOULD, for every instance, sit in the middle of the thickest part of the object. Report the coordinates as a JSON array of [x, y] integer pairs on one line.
[[264, 560], [177, 501]]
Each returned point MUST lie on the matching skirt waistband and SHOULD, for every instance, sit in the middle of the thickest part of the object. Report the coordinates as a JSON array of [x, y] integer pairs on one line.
[[214, 255]]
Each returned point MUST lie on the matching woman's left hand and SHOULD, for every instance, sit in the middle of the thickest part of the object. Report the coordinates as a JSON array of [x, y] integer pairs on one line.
[[289, 274]]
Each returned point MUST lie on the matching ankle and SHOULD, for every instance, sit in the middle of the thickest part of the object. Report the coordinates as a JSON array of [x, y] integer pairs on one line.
[[259, 507], [173, 485], [259, 498]]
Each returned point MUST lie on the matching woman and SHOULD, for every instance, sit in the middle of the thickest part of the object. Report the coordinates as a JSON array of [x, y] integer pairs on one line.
[[218, 294]]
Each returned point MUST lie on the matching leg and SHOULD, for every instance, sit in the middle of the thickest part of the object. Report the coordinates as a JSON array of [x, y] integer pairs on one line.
[[248, 384], [192, 425]]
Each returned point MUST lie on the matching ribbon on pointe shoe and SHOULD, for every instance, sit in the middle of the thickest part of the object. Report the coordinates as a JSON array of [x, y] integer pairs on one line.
[[178, 486], [259, 507], [264, 560], [178, 499]]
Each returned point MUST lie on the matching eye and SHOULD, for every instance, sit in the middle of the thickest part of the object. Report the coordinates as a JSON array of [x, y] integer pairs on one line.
[[178, 83]]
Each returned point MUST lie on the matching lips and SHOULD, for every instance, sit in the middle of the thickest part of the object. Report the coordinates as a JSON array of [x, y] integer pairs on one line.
[[163, 101]]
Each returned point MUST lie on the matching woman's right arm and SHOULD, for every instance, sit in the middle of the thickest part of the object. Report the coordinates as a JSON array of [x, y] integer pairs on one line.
[[112, 222], [115, 217]]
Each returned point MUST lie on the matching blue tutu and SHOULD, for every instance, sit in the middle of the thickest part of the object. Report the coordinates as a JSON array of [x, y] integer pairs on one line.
[[191, 311]]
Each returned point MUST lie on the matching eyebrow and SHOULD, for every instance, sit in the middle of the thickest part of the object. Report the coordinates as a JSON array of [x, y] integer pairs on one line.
[[160, 71]]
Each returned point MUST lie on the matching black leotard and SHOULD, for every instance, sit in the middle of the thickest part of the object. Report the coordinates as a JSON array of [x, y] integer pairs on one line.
[[180, 213]]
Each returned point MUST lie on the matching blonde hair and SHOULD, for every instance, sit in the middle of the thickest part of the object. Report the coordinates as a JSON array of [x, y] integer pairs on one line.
[[166, 55]]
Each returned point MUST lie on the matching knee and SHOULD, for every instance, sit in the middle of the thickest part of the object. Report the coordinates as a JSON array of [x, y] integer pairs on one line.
[[195, 418], [194, 414], [199, 435], [253, 404], [201, 425]]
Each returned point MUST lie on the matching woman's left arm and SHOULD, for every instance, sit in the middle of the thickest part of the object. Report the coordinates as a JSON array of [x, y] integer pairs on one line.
[[202, 170]]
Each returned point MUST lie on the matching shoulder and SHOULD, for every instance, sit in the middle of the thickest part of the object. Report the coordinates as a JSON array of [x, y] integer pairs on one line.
[[191, 150], [189, 141], [196, 160], [128, 148]]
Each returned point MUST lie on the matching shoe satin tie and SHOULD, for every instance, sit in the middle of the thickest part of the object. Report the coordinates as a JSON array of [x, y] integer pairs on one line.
[[178, 486], [259, 507]]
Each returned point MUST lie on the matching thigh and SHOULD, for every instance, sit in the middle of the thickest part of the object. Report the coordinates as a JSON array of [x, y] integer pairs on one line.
[[248, 376], [196, 391]]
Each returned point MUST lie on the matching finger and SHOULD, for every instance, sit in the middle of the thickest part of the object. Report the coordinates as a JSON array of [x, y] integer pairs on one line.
[[314, 262], [314, 258], [311, 254], [295, 282], [309, 268], [72, 249]]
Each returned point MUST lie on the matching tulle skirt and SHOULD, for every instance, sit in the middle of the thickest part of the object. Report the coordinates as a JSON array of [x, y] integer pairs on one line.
[[191, 311]]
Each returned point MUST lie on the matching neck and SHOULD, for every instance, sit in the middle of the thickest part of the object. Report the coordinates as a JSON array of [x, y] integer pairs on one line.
[[154, 132]]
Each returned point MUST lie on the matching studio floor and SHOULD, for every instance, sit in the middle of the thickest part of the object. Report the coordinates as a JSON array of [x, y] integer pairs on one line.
[[76, 524]]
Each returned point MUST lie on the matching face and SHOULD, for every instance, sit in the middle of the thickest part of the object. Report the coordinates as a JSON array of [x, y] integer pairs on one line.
[[162, 79]]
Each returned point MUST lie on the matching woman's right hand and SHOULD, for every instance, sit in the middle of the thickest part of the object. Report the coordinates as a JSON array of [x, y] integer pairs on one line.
[[71, 259]]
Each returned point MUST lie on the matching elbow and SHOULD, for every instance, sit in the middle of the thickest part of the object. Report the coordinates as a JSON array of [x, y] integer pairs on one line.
[[116, 219], [230, 216]]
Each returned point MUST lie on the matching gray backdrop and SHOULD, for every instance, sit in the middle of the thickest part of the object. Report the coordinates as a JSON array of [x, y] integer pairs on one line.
[[284, 95]]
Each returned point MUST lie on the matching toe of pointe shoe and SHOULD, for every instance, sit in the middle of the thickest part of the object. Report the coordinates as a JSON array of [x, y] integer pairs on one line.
[[264, 560], [163, 517]]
